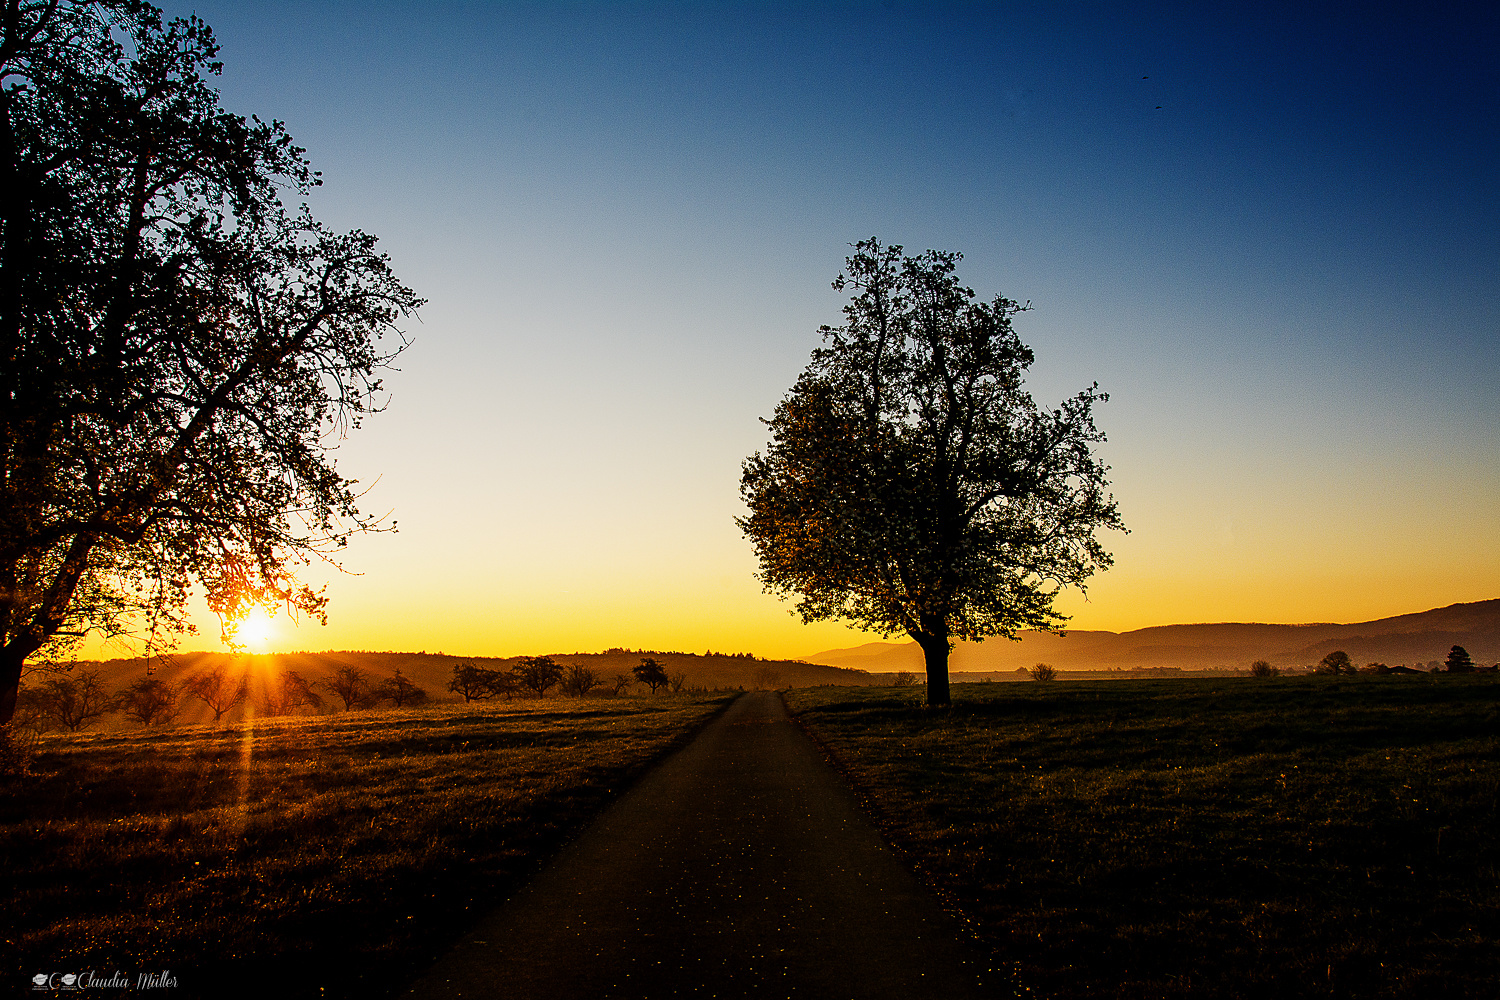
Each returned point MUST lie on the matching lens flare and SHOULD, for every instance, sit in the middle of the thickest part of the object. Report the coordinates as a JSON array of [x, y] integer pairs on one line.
[[253, 631]]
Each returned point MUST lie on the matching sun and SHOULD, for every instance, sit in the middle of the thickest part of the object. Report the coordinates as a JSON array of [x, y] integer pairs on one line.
[[253, 631]]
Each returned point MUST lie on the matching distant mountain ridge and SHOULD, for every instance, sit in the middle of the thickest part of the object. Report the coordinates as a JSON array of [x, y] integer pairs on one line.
[[1420, 637]]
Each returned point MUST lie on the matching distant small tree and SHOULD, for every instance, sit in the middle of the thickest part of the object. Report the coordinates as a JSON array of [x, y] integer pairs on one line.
[[622, 683], [766, 679], [289, 695], [904, 679], [651, 673], [400, 691], [352, 686], [578, 680], [150, 700], [1335, 663], [1374, 668], [537, 674], [473, 682], [1260, 668], [1043, 672], [74, 702], [676, 679], [216, 689], [1459, 661]]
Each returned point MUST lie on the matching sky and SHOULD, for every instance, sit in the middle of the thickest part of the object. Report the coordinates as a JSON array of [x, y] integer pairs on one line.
[[1272, 236]]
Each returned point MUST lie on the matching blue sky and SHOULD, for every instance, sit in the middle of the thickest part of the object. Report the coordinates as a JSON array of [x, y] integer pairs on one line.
[[1272, 236]]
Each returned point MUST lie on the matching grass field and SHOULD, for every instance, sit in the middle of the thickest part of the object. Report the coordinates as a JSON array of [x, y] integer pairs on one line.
[[1299, 837], [328, 856]]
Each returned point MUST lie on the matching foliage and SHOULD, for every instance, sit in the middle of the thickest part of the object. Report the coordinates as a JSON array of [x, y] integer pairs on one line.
[[578, 680], [1459, 661], [1335, 663], [180, 350], [1042, 672], [217, 690], [352, 686], [650, 673], [1198, 838], [1261, 668], [536, 674], [151, 700], [904, 679], [676, 679], [400, 691], [621, 684], [912, 484]]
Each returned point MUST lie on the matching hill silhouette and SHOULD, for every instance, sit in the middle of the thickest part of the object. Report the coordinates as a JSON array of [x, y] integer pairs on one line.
[[1422, 637], [432, 671]]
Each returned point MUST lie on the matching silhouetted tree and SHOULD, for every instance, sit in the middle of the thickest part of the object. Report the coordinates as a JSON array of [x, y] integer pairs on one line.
[[1459, 661], [1260, 668], [216, 689], [400, 691], [912, 484], [352, 686], [578, 680], [621, 683], [74, 702], [537, 674], [676, 679], [904, 679], [766, 678], [179, 350], [1335, 663], [1043, 672], [290, 694], [150, 700], [650, 673]]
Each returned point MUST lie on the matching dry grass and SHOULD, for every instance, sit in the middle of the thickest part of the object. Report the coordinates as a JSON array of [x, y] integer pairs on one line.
[[330, 856], [1297, 837]]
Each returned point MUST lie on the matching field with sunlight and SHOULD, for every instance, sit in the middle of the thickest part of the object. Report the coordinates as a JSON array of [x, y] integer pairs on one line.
[[313, 856]]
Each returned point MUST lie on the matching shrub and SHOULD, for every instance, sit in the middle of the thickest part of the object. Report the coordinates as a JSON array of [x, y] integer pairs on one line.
[[904, 679], [1043, 672], [1260, 668]]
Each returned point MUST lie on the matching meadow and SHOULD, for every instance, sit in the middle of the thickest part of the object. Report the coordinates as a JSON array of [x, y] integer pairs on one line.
[[322, 856], [1238, 837]]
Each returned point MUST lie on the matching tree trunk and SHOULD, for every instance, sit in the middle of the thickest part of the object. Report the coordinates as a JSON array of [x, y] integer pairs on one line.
[[11, 661], [935, 650]]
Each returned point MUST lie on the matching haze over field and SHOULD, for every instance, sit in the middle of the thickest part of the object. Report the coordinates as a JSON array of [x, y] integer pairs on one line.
[[1269, 237]]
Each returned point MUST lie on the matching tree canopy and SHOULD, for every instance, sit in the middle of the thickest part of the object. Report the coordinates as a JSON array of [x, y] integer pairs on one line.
[[178, 346], [912, 484]]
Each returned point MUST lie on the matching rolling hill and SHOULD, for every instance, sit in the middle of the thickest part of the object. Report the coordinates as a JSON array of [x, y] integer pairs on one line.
[[1422, 637]]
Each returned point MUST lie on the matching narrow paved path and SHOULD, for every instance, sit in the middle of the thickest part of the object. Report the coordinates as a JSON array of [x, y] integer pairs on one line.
[[741, 867]]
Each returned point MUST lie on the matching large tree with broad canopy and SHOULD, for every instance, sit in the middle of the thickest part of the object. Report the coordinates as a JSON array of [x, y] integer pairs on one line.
[[178, 349], [912, 484]]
